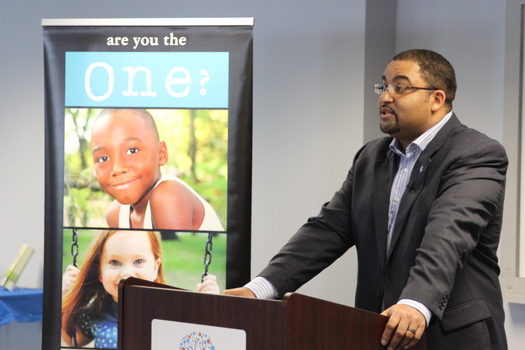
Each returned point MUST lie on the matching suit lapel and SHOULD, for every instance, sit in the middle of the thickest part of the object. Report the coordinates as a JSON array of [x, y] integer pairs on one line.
[[384, 172]]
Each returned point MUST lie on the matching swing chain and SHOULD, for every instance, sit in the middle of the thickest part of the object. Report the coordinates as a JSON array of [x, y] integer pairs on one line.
[[207, 256], [74, 247]]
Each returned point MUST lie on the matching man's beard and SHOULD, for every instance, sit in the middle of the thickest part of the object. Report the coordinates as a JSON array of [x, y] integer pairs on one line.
[[390, 128]]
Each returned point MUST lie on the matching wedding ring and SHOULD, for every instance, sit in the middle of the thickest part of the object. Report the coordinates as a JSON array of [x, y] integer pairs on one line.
[[411, 330]]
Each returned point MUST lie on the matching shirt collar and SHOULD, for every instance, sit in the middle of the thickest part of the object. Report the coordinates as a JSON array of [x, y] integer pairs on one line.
[[423, 140]]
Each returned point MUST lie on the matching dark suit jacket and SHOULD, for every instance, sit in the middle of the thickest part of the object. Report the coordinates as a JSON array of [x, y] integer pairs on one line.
[[443, 249]]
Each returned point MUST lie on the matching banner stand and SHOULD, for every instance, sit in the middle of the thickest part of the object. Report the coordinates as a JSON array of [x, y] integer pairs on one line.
[[165, 106]]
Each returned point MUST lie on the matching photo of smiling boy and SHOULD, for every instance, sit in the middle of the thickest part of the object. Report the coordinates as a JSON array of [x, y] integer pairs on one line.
[[127, 156]]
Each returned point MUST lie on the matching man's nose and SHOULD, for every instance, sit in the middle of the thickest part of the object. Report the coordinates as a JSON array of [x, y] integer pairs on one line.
[[385, 97]]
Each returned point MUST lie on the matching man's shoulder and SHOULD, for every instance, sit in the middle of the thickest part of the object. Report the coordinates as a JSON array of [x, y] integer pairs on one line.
[[472, 138], [462, 138], [465, 143]]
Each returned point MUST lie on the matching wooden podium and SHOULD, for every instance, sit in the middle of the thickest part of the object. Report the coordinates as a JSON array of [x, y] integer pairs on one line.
[[296, 322]]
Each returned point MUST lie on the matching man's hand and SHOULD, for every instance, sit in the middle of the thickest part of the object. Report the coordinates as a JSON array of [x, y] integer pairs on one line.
[[240, 292], [404, 328]]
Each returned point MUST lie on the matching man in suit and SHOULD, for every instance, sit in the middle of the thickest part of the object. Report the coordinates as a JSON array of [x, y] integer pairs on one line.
[[423, 208]]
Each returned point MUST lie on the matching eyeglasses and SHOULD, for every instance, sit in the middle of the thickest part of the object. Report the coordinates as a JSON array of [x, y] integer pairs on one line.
[[397, 88]]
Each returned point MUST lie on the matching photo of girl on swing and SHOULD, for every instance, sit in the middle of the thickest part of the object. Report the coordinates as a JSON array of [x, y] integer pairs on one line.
[[90, 291], [146, 169]]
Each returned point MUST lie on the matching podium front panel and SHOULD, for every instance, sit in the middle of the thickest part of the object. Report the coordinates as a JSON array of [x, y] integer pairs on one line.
[[262, 320]]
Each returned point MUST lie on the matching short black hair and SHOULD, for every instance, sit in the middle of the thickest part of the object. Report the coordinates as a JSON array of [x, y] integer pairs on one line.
[[435, 69]]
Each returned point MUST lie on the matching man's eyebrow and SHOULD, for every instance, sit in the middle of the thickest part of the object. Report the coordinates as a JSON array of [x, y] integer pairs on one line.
[[397, 78]]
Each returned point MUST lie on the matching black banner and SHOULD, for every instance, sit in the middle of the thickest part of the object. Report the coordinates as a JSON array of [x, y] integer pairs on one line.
[[148, 164]]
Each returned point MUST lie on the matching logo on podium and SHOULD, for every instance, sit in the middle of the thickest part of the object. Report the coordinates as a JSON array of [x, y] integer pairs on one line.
[[191, 336], [196, 341]]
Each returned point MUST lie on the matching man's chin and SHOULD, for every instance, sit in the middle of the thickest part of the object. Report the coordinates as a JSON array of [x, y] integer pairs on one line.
[[390, 129]]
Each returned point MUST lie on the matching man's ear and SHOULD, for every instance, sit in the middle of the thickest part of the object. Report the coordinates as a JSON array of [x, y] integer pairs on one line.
[[439, 100], [163, 153]]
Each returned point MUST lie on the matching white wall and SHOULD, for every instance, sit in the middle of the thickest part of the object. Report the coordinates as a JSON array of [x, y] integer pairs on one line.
[[308, 110], [471, 34]]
